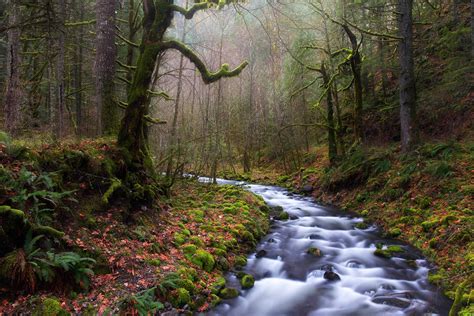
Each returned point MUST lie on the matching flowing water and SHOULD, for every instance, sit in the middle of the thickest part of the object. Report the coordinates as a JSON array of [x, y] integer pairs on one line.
[[291, 282]]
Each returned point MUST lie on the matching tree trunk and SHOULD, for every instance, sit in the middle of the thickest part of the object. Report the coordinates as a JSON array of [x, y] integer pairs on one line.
[[13, 85], [106, 54], [78, 59], [332, 146], [472, 29], [356, 67], [409, 133], [60, 75]]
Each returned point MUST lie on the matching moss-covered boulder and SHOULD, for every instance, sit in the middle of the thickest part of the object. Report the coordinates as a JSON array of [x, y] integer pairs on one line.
[[204, 260], [283, 216], [361, 225], [247, 281], [240, 261], [387, 252], [228, 293], [50, 306], [180, 297]]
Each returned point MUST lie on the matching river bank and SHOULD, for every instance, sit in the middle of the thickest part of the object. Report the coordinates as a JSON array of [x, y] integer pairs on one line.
[[170, 256], [425, 199]]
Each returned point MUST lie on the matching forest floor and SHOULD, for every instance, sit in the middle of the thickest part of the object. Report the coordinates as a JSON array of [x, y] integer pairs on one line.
[[426, 199], [171, 256]]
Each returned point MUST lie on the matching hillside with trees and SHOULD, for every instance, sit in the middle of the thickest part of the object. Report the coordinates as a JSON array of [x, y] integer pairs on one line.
[[114, 111]]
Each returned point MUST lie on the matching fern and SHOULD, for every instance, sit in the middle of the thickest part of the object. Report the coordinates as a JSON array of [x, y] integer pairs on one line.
[[145, 302]]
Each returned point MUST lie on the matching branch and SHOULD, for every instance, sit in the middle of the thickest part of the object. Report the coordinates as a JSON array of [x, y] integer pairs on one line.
[[188, 14], [207, 76], [152, 120], [127, 41], [121, 64], [80, 23], [162, 94]]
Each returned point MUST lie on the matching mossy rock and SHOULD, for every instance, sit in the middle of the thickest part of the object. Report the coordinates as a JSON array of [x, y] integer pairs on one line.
[[188, 273], [265, 209], [247, 281], [204, 260], [50, 307], [283, 216], [388, 252], [180, 297], [179, 239], [189, 249], [240, 261], [361, 225], [364, 213], [220, 252], [218, 285], [314, 251], [437, 278], [222, 264], [393, 233], [228, 293]]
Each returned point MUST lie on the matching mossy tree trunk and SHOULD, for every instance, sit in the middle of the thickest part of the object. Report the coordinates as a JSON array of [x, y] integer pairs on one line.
[[133, 134], [332, 145], [356, 68]]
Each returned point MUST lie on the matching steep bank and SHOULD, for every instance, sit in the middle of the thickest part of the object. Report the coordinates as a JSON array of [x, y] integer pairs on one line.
[[80, 252], [425, 199]]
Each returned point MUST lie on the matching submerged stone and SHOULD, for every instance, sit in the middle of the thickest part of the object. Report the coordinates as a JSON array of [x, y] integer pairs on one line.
[[247, 281], [331, 276], [228, 293], [261, 253]]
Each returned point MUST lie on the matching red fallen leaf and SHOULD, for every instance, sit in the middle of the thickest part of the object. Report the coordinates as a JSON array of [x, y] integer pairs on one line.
[[203, 307]]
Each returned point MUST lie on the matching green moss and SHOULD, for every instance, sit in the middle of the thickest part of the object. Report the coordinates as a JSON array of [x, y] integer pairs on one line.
[[283, 216], [393, 233], [154, 262], [204, 260], [215, 300], [220, 252], [361, 225], [50, 307], [240, 261], [180, 297], [429, 225], [265, 209], [364, 213], [218, 285], [179, 238], [387, 252], [189, 249], [228, 293], [437, 278], [247, 281], [314, 251]]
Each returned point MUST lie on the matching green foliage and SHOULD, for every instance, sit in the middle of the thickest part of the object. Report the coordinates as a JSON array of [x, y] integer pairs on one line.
[[355, 169], [387, 252], [145, 302], [70, 262], [180, 297], [39, 192], [439, 169], [50, 307]]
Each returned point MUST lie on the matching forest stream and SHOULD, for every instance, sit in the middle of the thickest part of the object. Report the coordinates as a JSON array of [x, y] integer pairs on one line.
[[346, 279]]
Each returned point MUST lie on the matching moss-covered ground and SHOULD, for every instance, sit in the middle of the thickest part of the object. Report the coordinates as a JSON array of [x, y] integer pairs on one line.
[[171, 255]]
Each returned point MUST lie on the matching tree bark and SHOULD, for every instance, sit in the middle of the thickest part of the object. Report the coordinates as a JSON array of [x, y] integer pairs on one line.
[[472, 29], [60, 78], [78, 59], [13, 85], [356, 67], [106, 54], [409, 132]]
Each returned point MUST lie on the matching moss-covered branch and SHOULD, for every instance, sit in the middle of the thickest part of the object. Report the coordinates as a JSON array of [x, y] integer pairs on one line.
[[188, 14], [207, 76]]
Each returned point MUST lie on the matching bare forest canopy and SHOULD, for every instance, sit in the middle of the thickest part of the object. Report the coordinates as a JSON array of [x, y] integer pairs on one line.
[[340, 73]]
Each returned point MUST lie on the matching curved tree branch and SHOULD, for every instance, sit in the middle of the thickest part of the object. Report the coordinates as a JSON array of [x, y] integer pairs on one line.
[[207, 76], [188, 14]]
